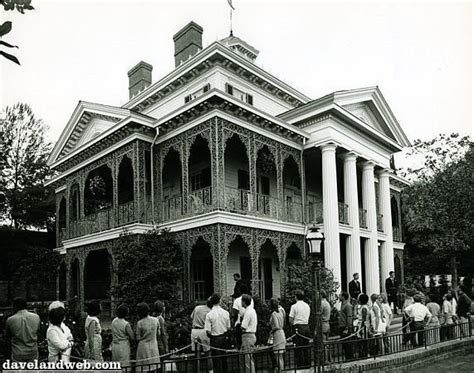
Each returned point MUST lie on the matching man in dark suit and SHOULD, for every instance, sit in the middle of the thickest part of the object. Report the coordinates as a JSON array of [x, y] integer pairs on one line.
[[391, 287], [354, 286]]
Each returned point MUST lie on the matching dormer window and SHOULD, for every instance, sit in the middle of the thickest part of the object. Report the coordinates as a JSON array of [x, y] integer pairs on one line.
[[197, 93], [229, 89]]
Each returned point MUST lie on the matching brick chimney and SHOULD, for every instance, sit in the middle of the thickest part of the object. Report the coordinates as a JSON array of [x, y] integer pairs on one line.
[[187, 42], [139, 78]]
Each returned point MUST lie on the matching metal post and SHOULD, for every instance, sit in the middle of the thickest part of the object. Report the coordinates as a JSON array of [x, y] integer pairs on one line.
[[197, 348], [318, 334]]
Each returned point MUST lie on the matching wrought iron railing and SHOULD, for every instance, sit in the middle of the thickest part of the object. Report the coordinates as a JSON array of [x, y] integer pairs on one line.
[[173, 208], [362, 218], [237, 200], [126, 213], [397, 234], [343, 210], [314, 212], [266, 205], [331, 354], [200, 201], [380, 222], [293, 212]]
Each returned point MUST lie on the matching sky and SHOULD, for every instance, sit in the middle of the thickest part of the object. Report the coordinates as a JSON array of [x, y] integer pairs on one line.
[[418, 53]]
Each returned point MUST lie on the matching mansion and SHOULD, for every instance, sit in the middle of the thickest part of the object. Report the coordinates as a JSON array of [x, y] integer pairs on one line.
[[237, 165]]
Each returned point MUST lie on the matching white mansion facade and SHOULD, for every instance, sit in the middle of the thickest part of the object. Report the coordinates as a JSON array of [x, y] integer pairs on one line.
[[235, 163]]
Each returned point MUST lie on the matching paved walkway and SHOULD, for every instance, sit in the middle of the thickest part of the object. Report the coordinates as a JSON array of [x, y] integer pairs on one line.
[[455, 364]]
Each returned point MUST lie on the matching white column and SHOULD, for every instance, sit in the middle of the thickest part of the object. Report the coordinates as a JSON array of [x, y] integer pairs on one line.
[[332, 254], [372, 276], [387, 260], [353, 258]]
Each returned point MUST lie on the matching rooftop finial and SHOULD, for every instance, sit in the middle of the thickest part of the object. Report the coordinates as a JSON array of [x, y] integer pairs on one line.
[[231, 9]]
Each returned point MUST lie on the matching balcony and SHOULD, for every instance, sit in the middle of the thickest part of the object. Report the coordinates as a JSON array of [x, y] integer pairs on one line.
[[105, 219], [363, 218], [380, 222], [314, 211], [397, 234], [239, 201], [343, 211]]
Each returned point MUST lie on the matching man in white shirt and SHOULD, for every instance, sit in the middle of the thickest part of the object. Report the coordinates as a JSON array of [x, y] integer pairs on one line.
[[249, 328], [216, 325], [419, 314], [299, 317], [238, 312]]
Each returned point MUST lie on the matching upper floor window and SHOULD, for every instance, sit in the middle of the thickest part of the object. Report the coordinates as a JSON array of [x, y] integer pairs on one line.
[[197, 93], [201, 179], [241, 95]]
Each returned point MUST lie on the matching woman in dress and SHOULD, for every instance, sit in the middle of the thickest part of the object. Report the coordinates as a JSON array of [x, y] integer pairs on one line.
[[159, 307], [122, 334], [434, 324], [277, 322], [93, 346], [59, 336], [148, 329]]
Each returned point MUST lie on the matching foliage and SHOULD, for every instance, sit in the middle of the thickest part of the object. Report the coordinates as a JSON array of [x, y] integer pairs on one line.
[[6, 27], [432, 156], [39, 268], [149, 267], [299, 278], [25, 201], [438, 211]]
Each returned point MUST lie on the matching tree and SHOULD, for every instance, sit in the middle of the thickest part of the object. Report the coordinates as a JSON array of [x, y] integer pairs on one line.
[[438, 209], [25, 201], [149, 267], [5, 28]]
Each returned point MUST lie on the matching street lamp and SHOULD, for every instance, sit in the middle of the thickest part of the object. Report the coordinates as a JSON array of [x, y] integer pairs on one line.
[[314, 239]]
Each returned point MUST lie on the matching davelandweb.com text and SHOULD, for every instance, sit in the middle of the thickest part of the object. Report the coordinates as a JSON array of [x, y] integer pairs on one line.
[[9, 365]]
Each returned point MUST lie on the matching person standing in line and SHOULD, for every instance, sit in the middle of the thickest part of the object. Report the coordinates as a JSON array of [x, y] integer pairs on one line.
[[216, 325], [385, 320], [58, 336], [325, 318], [454, 301], [363, 324], [391, 287], [405, 319], [420, 314], [22, 330], [299, 316], [238, 283], [249, 328], [354, 287], [345, 324], [434, 324], [376, 325], [448, 318], [238, 313], [277, 323], [464, 310], [147, 333], [122, 335], [93, 346], [198, 334], [162, 339]]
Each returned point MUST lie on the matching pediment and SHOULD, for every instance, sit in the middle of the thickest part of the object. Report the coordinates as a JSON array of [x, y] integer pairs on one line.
[[88, 121], [89, 126], [367, 113]]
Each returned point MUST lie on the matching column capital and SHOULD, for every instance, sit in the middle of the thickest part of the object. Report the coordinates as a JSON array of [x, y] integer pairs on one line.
[[385, 172], [368, 165], [329, 146], [350, 156]]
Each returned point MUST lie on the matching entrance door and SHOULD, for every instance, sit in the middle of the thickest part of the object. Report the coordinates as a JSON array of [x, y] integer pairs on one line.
[[246, 271]]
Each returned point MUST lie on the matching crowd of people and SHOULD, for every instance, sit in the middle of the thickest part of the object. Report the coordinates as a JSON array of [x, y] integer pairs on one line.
[[362, 323]]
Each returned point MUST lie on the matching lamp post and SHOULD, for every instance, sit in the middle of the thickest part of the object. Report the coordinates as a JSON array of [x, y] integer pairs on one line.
[[314, 239]]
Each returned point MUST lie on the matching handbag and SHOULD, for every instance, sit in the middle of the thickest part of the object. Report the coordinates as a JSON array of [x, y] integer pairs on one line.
[[270, 339]]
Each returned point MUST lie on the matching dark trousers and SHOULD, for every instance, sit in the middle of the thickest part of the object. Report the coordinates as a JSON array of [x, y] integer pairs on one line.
[[406, 330], [347, 344], [447, 332], [418, 327], [218, 357], [392, 300], [302, 351], [363, 343]]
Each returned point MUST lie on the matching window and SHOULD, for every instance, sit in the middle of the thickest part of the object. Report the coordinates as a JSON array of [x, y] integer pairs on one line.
[[243, 179], [263, 185], [200, 180], [249, 99], [229, 89], [196, 94]]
